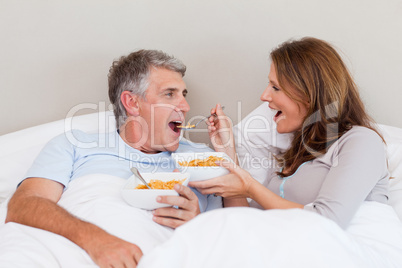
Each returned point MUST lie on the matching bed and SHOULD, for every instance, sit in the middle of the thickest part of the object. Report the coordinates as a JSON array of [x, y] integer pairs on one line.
[[232, 237]]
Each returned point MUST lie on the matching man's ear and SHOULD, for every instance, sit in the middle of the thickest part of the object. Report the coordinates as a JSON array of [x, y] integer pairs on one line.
[[130, 103]]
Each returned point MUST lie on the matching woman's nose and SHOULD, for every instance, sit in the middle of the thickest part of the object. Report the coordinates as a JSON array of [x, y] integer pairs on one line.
[[266, 95]]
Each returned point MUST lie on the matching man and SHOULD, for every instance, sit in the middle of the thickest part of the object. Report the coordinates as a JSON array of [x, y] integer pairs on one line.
[[149, 98]]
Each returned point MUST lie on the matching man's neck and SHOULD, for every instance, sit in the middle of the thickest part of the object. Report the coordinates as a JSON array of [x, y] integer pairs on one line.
[[135, 139]]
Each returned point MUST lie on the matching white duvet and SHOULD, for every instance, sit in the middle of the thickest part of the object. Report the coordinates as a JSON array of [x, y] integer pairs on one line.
[[230, 237]]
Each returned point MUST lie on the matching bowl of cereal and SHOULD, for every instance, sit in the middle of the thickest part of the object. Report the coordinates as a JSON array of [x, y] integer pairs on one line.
[[201, 166], [138, 195]]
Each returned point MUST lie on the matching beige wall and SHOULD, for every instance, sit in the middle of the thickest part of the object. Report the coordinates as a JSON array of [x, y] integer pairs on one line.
[[55, 55]]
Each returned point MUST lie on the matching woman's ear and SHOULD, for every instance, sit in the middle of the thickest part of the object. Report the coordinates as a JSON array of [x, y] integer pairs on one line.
[[130, 103]]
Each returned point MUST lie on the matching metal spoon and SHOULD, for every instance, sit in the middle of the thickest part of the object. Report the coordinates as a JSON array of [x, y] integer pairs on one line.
[[137, 173], [188, 127]]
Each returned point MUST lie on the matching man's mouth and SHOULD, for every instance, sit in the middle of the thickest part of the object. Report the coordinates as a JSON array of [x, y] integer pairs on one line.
[[174, 125]]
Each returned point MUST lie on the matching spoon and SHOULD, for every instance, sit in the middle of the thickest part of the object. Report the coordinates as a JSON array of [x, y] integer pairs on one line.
[[137, 173], [195, 125]]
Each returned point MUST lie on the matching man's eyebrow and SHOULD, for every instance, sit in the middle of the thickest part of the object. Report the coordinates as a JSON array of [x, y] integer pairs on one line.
[[171, 89], [185, 91]]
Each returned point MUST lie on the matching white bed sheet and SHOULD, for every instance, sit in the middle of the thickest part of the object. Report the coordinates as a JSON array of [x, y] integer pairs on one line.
[[95, 198], [235, 237], [249, 237]]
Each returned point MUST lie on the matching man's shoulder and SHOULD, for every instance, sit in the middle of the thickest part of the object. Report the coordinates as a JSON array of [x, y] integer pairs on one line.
[[81, 139], [191, 147]]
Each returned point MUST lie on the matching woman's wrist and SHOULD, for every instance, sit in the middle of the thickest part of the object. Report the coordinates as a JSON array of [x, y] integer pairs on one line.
[[233, 155], [229, 150], [251, 186]]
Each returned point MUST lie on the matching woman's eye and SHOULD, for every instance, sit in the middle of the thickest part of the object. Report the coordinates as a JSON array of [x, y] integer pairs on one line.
[[275, 88]]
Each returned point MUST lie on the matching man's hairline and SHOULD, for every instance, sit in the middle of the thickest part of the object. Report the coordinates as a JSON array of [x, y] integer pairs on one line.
[[143, 96]]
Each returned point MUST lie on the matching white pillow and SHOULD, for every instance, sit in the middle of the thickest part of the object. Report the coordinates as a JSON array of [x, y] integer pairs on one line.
[[393, 138], [20, 148]]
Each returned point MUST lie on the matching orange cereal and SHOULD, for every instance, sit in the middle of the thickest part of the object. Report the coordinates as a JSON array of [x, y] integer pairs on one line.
[[160, 185], [207, 162]]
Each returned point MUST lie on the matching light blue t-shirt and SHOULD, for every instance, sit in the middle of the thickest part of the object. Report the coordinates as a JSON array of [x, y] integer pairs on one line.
[[76, 154]]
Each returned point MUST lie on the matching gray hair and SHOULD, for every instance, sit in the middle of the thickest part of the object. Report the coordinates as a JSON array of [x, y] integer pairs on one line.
[[130, 73]]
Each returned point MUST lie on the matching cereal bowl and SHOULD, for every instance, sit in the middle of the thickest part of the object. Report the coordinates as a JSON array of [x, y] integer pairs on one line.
[[146, 198], [200, 173]]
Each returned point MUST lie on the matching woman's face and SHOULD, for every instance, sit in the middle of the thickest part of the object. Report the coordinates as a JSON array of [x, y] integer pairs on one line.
[[289, 113]]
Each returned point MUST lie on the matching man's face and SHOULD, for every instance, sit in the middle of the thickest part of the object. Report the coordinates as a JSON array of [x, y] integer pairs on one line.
[[163, 110]]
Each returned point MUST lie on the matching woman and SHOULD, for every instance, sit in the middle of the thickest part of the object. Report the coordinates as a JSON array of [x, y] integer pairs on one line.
[[336, 159]]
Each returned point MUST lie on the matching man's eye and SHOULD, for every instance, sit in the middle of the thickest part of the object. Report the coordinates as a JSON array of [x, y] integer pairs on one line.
[[170, 94]]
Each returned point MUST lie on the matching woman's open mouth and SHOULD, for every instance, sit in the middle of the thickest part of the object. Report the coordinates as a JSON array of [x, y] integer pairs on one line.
[[277, 116]]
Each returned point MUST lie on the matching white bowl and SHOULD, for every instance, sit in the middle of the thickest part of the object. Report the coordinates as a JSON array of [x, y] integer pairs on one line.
[[146, 198], [203, 172]]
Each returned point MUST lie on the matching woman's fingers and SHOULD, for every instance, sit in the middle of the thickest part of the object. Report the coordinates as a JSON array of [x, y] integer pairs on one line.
[[211, 186], [226, 164], [213, 110], [233, 185], [232, 167], [219, 110]]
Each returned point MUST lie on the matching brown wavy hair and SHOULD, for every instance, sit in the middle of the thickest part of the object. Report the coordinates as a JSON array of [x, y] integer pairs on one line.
[[314, 72]]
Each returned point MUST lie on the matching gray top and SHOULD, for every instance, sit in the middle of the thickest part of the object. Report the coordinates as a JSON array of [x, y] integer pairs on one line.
[[335, 184]]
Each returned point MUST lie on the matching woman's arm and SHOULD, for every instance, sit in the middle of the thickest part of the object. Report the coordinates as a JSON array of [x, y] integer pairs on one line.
[[358, 171], [269, 200], [239, 185], [220, 131]]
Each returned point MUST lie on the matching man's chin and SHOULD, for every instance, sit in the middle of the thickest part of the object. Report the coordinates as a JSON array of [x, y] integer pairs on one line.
[[167, 147], [172, 147], [171, 142]]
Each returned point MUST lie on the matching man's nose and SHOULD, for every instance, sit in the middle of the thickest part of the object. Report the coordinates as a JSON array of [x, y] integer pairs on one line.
[[183, 105]]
